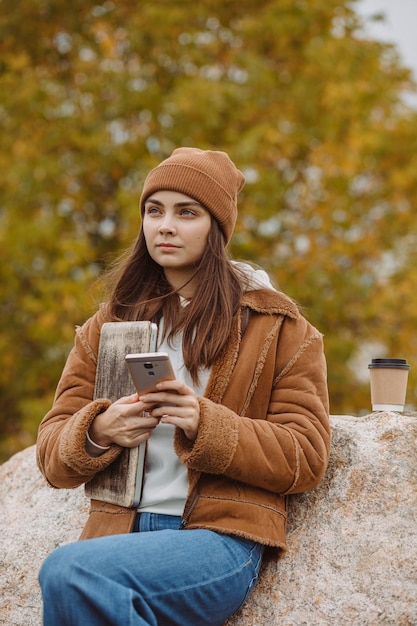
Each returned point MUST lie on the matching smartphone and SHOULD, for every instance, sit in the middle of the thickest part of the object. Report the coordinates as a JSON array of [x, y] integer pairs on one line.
[[149, 368]]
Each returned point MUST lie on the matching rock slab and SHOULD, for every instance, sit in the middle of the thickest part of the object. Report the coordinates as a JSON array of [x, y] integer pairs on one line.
[[352, 556]]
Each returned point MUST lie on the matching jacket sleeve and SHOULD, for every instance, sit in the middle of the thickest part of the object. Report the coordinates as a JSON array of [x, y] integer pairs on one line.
[[283, 443], [60, 448]]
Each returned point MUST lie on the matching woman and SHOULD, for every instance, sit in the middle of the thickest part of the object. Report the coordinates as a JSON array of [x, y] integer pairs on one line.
[[244, 424]]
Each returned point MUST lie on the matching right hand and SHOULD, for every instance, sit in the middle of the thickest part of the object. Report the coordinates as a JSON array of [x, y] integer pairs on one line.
[[123, 423]]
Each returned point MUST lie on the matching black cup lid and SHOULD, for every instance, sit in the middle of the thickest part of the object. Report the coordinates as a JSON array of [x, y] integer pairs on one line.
[[389, 363]]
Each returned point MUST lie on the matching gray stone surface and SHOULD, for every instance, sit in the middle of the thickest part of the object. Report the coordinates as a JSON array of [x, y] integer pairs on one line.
[[352, 556]]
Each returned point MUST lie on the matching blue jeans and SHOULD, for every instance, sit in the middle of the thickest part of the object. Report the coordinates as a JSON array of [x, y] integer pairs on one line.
[[158, 575]]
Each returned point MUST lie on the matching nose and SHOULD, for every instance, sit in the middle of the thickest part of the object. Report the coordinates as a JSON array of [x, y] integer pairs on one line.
[[167, 227]]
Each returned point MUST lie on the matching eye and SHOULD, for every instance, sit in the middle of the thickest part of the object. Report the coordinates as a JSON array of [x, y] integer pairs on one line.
[[187, 212], [151, 209]]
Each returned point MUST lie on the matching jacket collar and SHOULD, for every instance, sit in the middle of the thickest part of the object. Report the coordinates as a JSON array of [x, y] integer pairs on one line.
[[270, 302]]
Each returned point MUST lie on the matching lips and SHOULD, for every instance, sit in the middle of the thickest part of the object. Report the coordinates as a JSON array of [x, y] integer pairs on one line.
[[166, 246]]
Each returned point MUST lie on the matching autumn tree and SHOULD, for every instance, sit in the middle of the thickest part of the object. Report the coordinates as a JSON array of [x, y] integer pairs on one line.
[[93, 95]]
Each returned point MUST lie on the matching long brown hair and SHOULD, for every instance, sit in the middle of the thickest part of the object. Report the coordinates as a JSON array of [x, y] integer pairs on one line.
[[141, 292]]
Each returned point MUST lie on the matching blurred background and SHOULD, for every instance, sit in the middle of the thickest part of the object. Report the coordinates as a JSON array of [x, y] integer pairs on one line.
[[316, 111]]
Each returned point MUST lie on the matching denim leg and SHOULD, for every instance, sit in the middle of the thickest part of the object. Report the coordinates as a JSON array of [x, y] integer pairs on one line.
[[145, 522], [158, 578]]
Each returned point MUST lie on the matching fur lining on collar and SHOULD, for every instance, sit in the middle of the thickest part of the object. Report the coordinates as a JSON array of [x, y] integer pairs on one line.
[[270, 302]]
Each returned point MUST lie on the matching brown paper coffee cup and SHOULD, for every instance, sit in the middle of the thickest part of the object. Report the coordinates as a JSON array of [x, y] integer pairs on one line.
[[389, 379]]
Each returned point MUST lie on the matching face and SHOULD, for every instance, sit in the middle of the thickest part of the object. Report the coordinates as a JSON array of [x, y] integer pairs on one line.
[[176, 229]]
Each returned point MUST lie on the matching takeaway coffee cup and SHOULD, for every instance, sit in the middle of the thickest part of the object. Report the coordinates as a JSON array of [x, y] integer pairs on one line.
[[388, 384]]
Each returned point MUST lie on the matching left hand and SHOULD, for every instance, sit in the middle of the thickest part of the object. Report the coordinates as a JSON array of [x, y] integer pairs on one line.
[[186, 412]]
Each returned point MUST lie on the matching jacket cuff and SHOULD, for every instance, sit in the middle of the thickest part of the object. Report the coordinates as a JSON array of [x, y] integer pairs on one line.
[[214, 448], [73, 437]]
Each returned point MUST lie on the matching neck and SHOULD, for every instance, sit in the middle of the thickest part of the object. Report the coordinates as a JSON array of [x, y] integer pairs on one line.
[[184, 284]]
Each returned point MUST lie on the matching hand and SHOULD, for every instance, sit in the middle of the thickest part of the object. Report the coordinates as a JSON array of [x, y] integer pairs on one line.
[[123, 423], [186, 410]]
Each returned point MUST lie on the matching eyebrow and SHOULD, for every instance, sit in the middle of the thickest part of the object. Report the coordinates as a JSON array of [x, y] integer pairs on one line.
[[177, 204]]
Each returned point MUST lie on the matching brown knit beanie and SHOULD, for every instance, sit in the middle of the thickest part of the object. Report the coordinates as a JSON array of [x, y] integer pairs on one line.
[[208, 176]]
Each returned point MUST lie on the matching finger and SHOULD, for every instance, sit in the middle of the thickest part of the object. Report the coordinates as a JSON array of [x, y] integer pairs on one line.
[[175, 385], [180, 395], [138, 425], [128, 399], [155, 400], [187, 425], [128, 409]]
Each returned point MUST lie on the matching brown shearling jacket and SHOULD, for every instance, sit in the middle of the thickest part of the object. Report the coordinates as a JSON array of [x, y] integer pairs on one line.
[[264, 429]]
